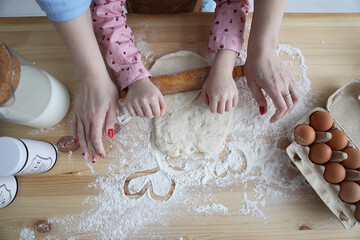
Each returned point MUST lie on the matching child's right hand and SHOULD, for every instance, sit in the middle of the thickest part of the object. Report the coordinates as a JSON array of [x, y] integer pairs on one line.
[[144, 99]]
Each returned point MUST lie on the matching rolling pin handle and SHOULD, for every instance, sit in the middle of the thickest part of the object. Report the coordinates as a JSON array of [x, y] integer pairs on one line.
[[238, 72], [123, 93]]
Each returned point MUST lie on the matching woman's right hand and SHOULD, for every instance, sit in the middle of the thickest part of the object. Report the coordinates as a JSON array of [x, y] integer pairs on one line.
[[97, 99], [144, 99], [95, 105]]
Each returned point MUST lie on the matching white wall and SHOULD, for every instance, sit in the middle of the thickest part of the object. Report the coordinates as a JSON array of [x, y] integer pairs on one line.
[[12, 8], [315, 6], [20, 8], [323, 6]]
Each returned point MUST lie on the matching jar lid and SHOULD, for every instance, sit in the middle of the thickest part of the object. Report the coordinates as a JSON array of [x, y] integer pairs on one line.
[[13, 156], [9, 68]]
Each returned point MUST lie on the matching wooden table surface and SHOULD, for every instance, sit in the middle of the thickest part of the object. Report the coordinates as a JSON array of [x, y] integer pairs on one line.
[[331, 46]]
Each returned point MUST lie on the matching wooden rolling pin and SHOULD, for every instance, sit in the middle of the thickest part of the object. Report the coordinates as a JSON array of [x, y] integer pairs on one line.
[[184, 81]]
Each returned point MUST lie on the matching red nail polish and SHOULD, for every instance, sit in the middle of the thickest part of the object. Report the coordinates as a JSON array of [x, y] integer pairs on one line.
[[75, 141], [111, 133], [102, 155], [93, 159], [262, 110]]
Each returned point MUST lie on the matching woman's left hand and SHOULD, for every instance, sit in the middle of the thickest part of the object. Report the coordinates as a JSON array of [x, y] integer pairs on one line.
[[265, 70]]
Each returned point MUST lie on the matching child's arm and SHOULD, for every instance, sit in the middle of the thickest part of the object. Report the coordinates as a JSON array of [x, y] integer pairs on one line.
[[263, 68], [227, 36], [109, 20], [219, 91]]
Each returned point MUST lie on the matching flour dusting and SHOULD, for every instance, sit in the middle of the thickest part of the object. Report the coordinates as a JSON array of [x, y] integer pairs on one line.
[[26, 234], [161, 189], [212, 209]]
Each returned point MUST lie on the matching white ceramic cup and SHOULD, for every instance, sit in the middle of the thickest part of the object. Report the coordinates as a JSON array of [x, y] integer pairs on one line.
[[8, 190], [23, 156]]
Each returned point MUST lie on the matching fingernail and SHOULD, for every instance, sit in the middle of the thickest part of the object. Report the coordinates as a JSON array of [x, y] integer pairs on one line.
[[75, 141], [84, 156], [94, 159], [111, 133], [102, 155], [262, 110]]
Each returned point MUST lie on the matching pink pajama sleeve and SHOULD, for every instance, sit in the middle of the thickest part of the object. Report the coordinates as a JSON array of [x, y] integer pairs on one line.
[[117, 39], [228, 26]]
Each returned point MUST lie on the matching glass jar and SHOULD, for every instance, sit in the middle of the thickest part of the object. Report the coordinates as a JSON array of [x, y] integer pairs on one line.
[[29, 95]]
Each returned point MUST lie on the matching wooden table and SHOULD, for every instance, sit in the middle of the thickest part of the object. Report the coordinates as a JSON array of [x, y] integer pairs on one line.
[[331, 46]]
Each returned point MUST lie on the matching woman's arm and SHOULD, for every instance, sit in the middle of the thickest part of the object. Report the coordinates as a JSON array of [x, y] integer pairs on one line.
[[79, 38], [264, 68], [96, 101]]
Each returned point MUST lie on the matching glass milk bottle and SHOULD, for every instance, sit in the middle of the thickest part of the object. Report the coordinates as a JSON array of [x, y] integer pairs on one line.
[[29, 95]]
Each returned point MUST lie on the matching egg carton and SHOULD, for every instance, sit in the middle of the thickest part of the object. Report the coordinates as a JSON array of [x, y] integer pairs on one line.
[[344, 107]]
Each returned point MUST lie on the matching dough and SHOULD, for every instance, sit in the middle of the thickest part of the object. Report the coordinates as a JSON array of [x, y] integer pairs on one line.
[[188, 126]]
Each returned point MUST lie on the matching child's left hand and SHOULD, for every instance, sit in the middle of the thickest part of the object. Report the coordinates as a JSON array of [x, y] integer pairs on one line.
[[219, 91]]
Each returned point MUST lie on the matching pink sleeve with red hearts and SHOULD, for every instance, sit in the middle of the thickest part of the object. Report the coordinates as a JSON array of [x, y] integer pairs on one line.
[[228, 26], [117, 39]]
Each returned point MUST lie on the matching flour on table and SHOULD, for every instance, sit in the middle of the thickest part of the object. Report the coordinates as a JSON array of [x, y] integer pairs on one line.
[[212, 209], [136, 184], [26, 234], [188, 126], [251, 164]]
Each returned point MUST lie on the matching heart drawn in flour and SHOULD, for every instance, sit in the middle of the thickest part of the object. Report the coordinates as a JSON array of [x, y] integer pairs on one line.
[[153, 181], [234, 163]]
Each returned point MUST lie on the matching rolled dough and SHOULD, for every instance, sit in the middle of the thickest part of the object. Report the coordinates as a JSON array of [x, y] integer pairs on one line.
[[188, 126]]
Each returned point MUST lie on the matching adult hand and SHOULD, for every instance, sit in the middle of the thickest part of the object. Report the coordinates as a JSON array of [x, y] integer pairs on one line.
[[97, 99], [95, 104], [219, 91], [144, 99], [265, 70]]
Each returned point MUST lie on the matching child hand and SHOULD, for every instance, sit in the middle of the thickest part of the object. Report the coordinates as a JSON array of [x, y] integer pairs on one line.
[[144, 99], [219, 91], [264, 70]]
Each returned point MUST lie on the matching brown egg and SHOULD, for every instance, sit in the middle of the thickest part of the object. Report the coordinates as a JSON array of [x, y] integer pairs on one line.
[[320, 153], [304, 135], [349, 192], [338, 140], [357, 211], [334, 172], [353, 159], [321, 121]]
